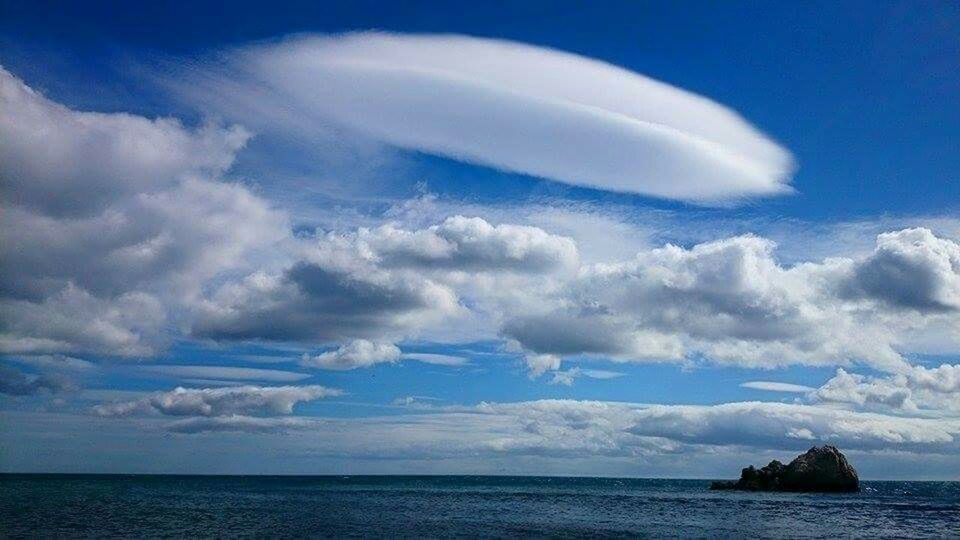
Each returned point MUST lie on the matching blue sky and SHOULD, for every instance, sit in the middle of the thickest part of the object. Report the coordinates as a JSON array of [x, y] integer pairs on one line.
[[438, 238]]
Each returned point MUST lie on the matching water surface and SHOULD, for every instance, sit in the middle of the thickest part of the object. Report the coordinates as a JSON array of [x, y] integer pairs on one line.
[[432, 506]]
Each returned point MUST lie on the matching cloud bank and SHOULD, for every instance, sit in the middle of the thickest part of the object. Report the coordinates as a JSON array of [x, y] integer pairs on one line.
[[730, 301], [262, 400], [575, 429]]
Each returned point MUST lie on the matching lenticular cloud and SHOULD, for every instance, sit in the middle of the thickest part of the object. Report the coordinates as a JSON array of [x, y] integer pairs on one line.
[[520, 108]]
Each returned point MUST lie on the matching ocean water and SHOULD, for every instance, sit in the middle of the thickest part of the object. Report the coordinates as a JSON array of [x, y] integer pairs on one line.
[[465, 506]]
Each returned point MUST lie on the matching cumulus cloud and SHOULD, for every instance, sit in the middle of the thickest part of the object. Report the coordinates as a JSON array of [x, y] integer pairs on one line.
[[910, 269], [109, 220], [261, 400], [506, 105], [75, 320], [851, 388], [731, 301], [917, 388], [62, 162], [356, 354], [469, 244], [321, 302], [943, 379], [388, 283]]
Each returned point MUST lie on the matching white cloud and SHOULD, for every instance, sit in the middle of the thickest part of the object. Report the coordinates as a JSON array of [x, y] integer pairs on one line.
[[407, 401], [911, 269], [175, 247], [263, 400], [577, 429], [915, 389], [391, 283], [240, 423], [944, 379], [61, 162], [74, 320], [436, 359], [358, 353], [507, 105], [541, 363], [860, 390], [110, 221], [567, 377], [772, 386], [226, 373], [777, 424], [730, 301], [468, 244]]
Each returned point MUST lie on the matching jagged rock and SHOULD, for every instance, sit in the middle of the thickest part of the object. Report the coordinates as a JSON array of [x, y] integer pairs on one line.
[[820, 469]]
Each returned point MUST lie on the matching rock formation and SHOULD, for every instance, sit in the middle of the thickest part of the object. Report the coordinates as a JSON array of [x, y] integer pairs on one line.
[[820, 469]]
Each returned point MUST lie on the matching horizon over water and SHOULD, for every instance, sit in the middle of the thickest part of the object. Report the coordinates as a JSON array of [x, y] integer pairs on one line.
[[120, 505]]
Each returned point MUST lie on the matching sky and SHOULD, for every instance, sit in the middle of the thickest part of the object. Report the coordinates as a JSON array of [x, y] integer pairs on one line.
[[616, 239]]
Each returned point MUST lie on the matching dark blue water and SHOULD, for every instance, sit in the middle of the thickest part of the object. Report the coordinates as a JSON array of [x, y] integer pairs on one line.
[[418, 506]]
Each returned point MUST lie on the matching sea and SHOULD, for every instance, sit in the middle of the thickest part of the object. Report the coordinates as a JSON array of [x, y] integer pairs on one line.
[[149, 506]]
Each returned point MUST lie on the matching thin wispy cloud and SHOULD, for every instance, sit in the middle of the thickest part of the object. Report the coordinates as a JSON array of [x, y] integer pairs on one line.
[[772, 386], [226, 372]]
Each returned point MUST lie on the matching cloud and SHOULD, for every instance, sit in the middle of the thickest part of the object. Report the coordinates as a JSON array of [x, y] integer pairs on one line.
[[541, 363], [226, 372], [407, 401], [506, 105], [17, 383], [943, 379], [111, 221], [910, 269], [578, 429], [356, 354], [390, 283], [317, 301], [730, 301], [61, 162], [239, 423], [263, 400], [436, 359], [912, 390], [469, 244], [851, 388], [771, 386], [166, 247], [75, 320], [567, 377], [781, 425]]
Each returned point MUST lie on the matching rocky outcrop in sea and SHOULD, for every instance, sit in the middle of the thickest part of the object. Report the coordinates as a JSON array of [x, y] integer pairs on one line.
[[823, 469]]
